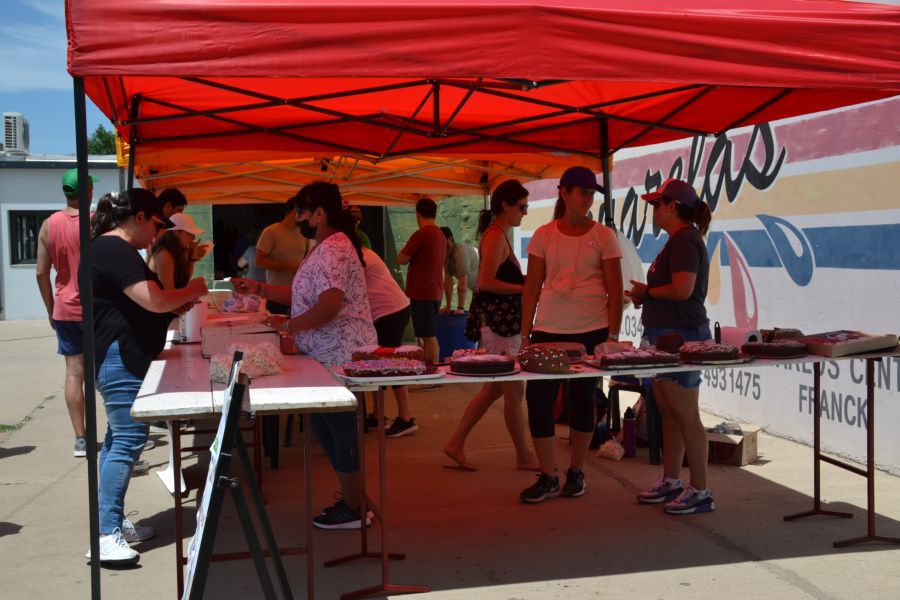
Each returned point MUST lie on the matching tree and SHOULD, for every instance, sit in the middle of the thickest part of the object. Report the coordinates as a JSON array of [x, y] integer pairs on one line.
[[102, 141]]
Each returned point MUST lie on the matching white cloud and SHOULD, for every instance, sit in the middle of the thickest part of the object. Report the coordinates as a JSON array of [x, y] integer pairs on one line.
[[33, 58], [50, 8]]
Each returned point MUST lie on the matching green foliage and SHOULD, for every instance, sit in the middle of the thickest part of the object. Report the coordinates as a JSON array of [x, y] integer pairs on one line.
[[102, 141]]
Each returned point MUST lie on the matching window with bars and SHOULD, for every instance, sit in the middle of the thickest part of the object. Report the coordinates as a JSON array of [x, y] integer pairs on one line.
[[24, 227]]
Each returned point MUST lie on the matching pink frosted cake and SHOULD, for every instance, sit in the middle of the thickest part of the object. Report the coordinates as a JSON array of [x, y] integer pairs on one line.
[[377, 352], [384, 367]]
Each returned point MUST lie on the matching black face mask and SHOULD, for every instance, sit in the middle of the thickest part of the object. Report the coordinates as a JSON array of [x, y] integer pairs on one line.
[[306, 230]]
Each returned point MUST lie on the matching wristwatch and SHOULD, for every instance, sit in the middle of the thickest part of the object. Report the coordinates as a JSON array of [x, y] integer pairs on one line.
[[613, 337]]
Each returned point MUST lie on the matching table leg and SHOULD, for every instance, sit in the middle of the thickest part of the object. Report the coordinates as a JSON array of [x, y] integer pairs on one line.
[[654, 426], [385, 587], [870, 536], [307, 476], [817, 455], [175, 429]]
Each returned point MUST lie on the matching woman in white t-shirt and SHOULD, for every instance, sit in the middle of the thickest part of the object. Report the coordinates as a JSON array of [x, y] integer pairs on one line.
[[390, 315], [330, 318], [574, 282]]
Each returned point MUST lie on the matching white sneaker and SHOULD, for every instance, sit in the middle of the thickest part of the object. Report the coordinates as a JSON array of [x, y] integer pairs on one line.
[[133, 533], [149, 444], [115, 550]]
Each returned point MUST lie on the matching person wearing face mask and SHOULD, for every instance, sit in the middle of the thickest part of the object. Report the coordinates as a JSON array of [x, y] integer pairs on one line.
[[174, 253], [574, 283], [280, 250], [330, 318], [131, 314], [673, 302]]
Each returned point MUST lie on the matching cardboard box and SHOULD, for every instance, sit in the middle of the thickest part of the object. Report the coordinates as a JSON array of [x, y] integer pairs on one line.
[[737, 450], [845, 347], [217, 334]]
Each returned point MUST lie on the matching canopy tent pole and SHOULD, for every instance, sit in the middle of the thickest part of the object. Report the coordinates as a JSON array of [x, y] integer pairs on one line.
[[86, 291], [607, 181], [132, 141]]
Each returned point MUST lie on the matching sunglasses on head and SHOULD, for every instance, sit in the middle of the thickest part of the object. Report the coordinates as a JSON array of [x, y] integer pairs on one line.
[[158, 223], [523, 208]]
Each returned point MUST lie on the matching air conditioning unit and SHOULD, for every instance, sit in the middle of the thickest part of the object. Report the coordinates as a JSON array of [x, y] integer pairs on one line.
[[15, 133]]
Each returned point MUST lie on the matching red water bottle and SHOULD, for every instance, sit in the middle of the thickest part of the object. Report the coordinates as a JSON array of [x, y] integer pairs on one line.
[[628, 435]]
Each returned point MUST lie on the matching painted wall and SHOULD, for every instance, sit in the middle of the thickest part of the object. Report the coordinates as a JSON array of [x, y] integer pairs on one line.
[[806, 234]]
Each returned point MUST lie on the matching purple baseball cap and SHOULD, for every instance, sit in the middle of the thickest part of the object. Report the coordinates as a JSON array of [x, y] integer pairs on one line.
[[582, 177], [679, 191]]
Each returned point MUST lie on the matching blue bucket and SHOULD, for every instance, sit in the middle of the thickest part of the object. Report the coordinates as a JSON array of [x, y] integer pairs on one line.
[[451, 333]]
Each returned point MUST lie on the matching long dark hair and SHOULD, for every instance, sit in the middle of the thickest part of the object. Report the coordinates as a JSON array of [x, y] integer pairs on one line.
[[169, 241], [113, 209], [327, 196], [508, 193]]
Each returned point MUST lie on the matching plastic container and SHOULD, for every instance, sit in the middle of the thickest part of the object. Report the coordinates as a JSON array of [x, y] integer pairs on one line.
[[451, 333], [628, 436]]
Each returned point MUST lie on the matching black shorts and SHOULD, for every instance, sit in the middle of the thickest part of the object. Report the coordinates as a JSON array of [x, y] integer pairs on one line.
[[390, 328], [424, 317]]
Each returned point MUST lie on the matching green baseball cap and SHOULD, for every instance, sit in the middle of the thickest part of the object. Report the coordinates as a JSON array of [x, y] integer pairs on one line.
[[70, 182]]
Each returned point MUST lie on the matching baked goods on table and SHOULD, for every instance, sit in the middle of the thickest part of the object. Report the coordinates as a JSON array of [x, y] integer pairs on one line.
[[538, 358], [376, 352], [635, 358], [482, 364], [700, 352], [778, 349], [259, 360], [669, 342], [573, 350], [778, 333], [384, 367]]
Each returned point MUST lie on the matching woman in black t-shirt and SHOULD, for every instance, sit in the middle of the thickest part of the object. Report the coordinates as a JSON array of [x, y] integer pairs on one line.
[[673, 301], [131, 315]]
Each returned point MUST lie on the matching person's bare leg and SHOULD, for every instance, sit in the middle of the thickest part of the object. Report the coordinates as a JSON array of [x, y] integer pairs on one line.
[[351, 488], [673, 443], [432, 349], [74, 392], [513, 394], [401, 393], [685, 413], [581, 441], [477, 407]]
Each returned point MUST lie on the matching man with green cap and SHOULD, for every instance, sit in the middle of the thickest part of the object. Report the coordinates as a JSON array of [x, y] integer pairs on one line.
[[59, 247]]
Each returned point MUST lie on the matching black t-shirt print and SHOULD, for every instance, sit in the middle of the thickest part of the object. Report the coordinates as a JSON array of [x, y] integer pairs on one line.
[[115, 265], [684, 251]]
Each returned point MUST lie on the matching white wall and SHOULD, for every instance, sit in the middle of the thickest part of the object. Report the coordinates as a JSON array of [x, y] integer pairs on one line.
[[34, 188]]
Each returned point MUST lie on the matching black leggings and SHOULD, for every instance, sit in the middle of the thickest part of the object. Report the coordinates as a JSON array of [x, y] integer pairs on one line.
[[541, 395]]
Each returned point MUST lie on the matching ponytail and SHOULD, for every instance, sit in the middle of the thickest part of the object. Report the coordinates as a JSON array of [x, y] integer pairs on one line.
[[112, 209], [484, 221], [559, 209], [348, 226], [700, 216]]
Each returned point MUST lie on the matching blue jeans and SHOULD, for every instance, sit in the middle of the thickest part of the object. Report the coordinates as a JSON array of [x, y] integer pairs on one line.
[[687, 379], [125, 437]]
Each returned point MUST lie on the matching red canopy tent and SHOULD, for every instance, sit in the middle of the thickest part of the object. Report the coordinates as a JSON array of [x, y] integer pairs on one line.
[[212, 81]]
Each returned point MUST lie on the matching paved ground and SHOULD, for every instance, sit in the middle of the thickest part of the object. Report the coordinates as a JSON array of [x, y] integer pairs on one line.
[[465, 534]]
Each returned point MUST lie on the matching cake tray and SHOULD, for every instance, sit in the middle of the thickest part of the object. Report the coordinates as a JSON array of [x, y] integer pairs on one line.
[[727, 361], [596, 364], [386, 379], [513, 372]]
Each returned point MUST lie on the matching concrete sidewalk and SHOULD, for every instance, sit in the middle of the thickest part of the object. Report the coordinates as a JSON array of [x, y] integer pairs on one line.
[[464, 534]]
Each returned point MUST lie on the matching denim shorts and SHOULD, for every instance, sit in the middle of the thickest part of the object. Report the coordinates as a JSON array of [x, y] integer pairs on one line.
[[687, 379], [69, 337]]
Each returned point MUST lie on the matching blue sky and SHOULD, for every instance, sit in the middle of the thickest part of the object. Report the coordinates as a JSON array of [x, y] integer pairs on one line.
[[33, 76]]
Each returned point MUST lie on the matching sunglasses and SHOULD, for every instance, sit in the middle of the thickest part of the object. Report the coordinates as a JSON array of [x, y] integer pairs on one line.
[[523, 208], [158, 223]]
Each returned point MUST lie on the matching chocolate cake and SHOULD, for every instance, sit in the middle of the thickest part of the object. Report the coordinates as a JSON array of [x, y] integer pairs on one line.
[[636, 357], [574, 350], [384, 367], [773, 335], [482, 364], [376, 352], [538, 359], [669, 342], [694, 352], [777, 349]]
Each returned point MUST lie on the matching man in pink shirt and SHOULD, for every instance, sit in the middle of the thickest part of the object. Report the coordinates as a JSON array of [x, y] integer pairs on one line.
[[59, 247]]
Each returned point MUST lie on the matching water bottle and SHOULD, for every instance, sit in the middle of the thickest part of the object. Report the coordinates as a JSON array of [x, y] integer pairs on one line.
[[628, 435]]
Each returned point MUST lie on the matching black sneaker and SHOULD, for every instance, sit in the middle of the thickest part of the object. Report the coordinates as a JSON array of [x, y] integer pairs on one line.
[[341, 516], [400, 428], [341, 505], [545, 487], [372, 422], [574, 485]]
